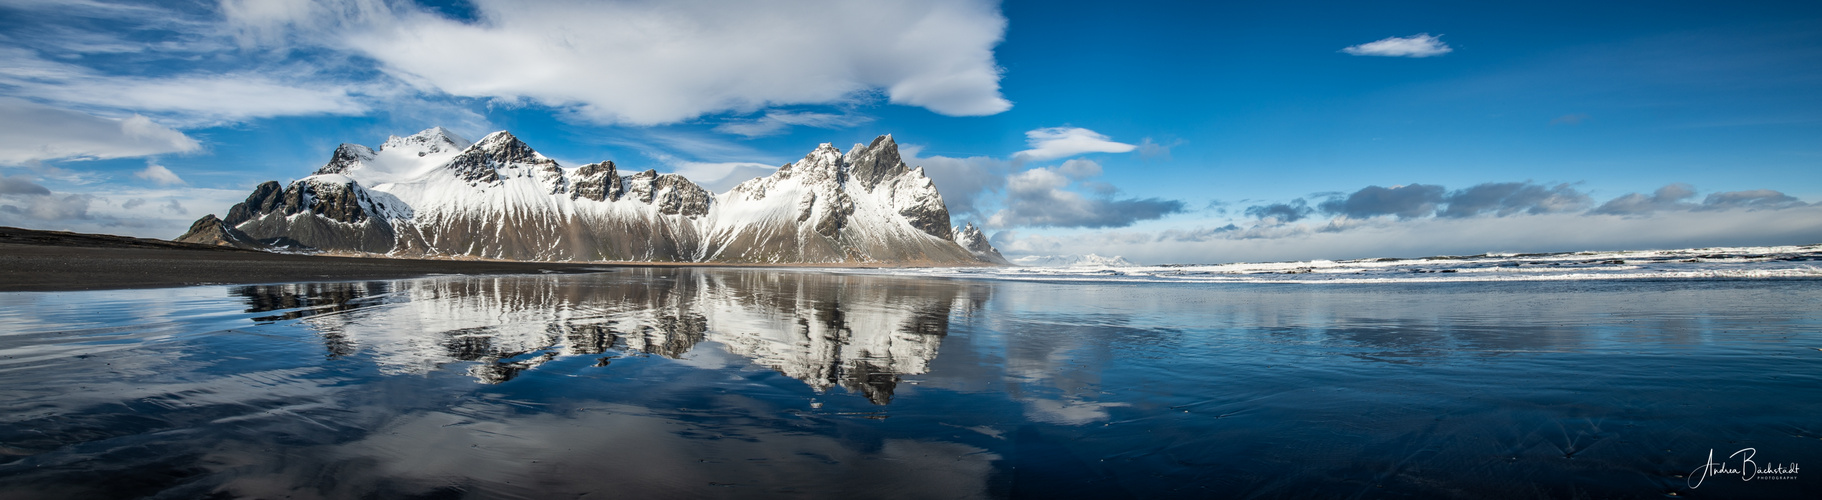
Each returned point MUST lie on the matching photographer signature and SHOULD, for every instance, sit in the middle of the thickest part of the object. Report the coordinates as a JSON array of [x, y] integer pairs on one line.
[[1747, 469]]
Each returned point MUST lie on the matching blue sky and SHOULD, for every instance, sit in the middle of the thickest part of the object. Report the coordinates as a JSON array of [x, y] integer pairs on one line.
[[1166, 132]]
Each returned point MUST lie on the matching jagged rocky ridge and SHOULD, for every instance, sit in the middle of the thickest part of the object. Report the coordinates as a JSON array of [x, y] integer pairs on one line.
[[434, 194]]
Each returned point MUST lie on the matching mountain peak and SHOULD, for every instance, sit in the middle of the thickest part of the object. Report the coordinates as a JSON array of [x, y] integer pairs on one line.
[[430, 141], [503, 148], [481, 161], [346, 157], [498, 140], [824, 164], [872, 163], [444, 133]]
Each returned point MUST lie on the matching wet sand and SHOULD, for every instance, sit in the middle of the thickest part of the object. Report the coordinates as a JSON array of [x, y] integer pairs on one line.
[[744, 383], [32, 260]]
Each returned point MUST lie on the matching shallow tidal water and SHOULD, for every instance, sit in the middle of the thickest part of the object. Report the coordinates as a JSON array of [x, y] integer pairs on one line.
[[688, 383]]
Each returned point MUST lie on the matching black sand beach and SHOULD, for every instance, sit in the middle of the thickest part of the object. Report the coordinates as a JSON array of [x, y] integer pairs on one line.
[[32, 260]]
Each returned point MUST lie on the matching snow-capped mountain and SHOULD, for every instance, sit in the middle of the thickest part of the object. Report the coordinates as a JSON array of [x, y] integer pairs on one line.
[[970, 238], [434, 194], [1088, 260]]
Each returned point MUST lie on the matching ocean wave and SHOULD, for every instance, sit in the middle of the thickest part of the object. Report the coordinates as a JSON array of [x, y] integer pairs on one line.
[[1692, 263]]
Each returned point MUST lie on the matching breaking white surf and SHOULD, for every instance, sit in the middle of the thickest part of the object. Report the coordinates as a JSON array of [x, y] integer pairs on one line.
[[1694, 263]]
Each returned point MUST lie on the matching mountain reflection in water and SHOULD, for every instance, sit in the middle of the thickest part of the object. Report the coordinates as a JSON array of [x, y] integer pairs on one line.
[[740, 383], [857, 332]]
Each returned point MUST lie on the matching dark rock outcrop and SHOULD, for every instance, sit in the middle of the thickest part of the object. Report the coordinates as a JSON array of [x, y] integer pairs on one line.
[[346, 156], [873, 162], [266, 197], [597, 181], [210, 230], [676, 195], [343, 216]]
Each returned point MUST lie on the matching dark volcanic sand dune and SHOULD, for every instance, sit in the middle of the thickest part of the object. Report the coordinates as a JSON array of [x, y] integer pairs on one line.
[[55, 260]]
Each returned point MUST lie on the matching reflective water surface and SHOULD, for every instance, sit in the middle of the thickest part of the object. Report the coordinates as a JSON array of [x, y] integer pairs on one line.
[[644, 383]]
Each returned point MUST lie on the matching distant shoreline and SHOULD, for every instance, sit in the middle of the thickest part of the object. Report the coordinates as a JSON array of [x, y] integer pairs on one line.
[[34, 260]]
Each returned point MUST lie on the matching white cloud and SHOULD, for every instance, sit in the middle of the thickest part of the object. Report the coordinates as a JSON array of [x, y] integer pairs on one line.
[[1062, 142], [629, 62], [720, 177], [159, 175], [1419, 45], [645, 63], [200, 98], [230, 97], [87, 7], [775, 122], [35, 132]]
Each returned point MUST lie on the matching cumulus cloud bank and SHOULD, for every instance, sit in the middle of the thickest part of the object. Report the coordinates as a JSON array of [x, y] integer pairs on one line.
[[1037, 198], [1501, 199], [125, 211], [1420, 219], [1415, 200], [1751, 199], [1669, 197], [965, 183], [1419, 45], [1424, 200], [1294, 211], [645, 63], [1392, 237], [1507, 198], [1062, 196]]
